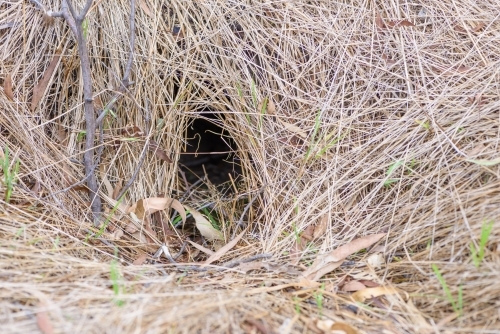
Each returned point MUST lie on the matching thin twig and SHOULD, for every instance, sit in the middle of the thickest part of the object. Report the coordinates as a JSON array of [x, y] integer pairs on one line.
[[222, 267], [240, 221], [125, 83], [136, 171]]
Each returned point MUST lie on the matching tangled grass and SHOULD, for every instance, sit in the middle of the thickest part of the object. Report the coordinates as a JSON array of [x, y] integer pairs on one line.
[[375, 117]]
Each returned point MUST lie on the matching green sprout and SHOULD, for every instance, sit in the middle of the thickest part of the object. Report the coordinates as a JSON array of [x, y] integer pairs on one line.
[[457, 305], [390, 170], [9, 174], [115, 281], [477, 252]]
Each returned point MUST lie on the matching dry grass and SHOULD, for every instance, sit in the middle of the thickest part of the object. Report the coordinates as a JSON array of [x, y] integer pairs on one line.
[[426, 96]]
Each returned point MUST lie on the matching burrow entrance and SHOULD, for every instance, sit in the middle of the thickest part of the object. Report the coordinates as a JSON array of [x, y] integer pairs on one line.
[[209, 153]]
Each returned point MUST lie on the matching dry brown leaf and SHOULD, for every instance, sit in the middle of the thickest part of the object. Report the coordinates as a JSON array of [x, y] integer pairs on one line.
[[308, 232], [353, 286], [325, 264], [42, 85], [452, 69], [44, 323], [144, 6], [388, 60], [293, 128], [402, 23], [105, 181], [159, 152], [362, 295], [224, 249], [204, 226], [116, 190], [271, 110], [479, 100], [7, 87], [117, 234], [476, 150], [131, 228], [248, 266], [369, 284], [321, 227], [479, 26], [147, 206], [458, 28], [331, 327], [375, 260], [296, 250], [379, 22], [140, 259], [201, 248]]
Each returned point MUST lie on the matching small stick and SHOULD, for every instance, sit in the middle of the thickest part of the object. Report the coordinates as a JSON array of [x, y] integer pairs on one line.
[[240, 222], [224, 266]]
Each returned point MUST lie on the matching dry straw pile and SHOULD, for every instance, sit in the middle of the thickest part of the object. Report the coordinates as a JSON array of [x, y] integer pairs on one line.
[[351, 119]]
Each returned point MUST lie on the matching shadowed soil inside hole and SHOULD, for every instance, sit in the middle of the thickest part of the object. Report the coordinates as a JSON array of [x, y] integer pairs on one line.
[[210, 153]]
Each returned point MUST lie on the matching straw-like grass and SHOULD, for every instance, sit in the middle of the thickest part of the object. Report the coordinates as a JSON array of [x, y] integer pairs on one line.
[[388, 113]]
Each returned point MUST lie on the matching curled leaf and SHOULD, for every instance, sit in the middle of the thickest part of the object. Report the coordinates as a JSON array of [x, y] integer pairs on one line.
[[147, 206]]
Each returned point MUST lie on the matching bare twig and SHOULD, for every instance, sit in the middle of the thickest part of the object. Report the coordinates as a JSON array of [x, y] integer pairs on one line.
[[222, 267], [74, 21], [240, 222], [125, 83], [136, 171]]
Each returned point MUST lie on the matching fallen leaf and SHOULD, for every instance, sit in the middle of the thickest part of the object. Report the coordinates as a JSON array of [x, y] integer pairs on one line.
[[7, 87], [144, 6], [375, 260], [249, 266], [204, 226], [271, 110], [320, 228], [477, 149], [308, 232], [388, 60], [353, 286], [402, 23], [330, 327], [379, 22], [479, 26], [293, 128], [117, 234], [42, 85], [362, 295], [369, 284], [150, 205], [487, 163], [201, 248], [116, 190], [44, 323], [452, 69], [271, 107], [105, 181], [458, 28], [131, 228], [296, 250], [224, 249], [159, 152], [327, 263], [140, 259]]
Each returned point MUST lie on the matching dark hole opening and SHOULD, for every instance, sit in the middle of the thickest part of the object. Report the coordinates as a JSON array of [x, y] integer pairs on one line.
[[210, 152]]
